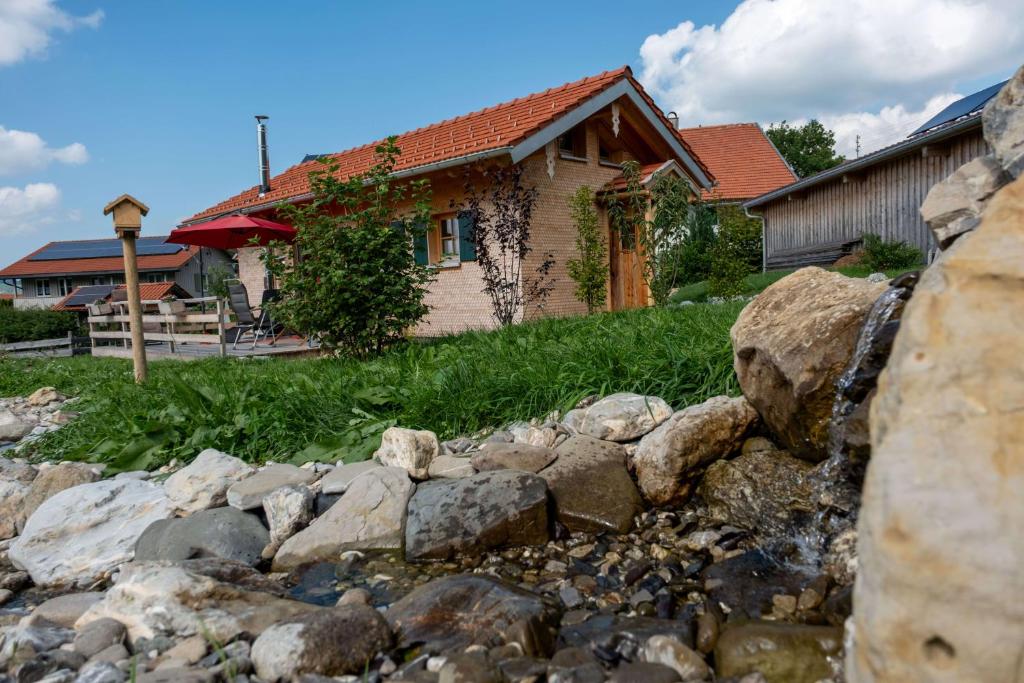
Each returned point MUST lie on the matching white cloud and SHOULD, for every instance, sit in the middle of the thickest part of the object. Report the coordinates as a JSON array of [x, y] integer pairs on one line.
[[885, 127], [27, 27], [28, 209], [22, 151], [873, 63]]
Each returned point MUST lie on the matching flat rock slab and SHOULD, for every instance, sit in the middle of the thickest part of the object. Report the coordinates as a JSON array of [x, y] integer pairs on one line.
[[83, 533], [248, 494], [487, 510], [222, 532], [339, 479], [512, 456], [64, 610], [454, 612], [619, 417], [450, 467], [370, 516], [592, 489], [204, 482]]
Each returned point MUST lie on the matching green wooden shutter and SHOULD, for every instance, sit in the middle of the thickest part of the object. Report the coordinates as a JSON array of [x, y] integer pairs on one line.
[[419, 246], [467, 240]]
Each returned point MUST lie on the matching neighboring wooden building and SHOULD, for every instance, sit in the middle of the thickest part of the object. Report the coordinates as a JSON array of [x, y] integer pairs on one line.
[[815, 220]]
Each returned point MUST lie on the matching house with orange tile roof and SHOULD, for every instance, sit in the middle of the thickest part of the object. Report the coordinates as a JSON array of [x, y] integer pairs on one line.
[[49, 274], [744, 161], [576, 134]]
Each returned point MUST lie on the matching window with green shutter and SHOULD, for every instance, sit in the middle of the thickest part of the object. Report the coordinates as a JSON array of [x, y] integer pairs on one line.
[[467, 245]]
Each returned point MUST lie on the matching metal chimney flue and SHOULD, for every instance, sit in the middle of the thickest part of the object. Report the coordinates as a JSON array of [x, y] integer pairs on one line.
[[673, 118], [261, 140]]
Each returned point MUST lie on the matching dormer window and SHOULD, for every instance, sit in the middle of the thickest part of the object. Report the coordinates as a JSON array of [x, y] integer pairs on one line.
[[573, 143]]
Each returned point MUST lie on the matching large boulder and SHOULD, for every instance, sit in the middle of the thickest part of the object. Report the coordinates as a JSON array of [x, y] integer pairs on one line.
[[52, 480], [791, 344], [80, 534], [782, 653], [248, 493], [619, 417], [454, 612], [448, 517], [1003, 120], [341, 477], [204, 482], [331, 642], [939, 531], [591, 486], [954, 205], [154, 599], [409, 449], [369, 516], [222, 532], [667, 459]]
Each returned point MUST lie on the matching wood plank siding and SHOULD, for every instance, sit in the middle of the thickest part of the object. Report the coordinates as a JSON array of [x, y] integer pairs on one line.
[[884, 199]]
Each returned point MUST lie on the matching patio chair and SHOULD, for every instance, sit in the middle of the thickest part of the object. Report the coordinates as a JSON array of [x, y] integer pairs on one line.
[[238, 300]]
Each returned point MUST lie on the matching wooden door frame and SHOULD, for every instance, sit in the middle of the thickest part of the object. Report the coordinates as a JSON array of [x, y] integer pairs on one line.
[[643, 291]]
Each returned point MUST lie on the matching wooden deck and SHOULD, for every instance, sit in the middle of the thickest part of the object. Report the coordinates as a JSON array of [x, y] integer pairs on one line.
[[290, 347]]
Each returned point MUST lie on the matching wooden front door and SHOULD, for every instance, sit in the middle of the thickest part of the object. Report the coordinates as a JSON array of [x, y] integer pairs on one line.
[[628, 289]]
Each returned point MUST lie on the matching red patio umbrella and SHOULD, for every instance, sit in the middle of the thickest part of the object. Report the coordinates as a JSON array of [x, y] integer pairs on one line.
[[233, 232]]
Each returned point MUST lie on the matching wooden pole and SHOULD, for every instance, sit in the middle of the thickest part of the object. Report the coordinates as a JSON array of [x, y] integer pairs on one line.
[[131, 281]]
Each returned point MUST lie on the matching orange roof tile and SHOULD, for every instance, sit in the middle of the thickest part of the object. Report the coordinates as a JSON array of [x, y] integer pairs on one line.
[[493, 128], [25, 267], [741, 157]]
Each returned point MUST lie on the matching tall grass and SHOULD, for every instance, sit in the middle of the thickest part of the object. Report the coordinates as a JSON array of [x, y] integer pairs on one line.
[[333, 408]]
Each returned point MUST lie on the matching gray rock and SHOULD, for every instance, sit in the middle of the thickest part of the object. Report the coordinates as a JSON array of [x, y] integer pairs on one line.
[[488, 510], [204, 483], [338, 479], [669, 652], [370, 516], [1003, 121], [14, 470], [450, 467], [878, 277], [620, 417], [592, 489], [11, 427], [98, 635], [221, 532], [52, 480], [82, 533], [457, 446], [643, 672], [781, 652], [289, 509], [64, 610], [409, 449], [332, 642], [248, 493], [453, 612], [176, 675], [469, 666], [668, 458], [100, 672], [512, 456], [533, 435], [747, 584], [114, 654], [954, 205], [12, 507]]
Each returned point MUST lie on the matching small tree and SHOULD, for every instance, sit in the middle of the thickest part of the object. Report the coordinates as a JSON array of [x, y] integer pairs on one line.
[[356, 284], [736, 252], [809, 148], [590, 270], [501, 209]]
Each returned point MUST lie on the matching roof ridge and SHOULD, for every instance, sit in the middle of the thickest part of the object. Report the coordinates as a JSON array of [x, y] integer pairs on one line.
[[711, 126]]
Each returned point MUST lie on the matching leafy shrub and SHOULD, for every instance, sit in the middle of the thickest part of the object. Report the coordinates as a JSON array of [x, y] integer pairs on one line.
[[735, 254], [590, 270], [882, 255], [18, 325]]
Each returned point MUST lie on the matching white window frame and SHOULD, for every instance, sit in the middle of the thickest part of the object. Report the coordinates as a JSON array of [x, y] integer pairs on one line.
[[64, 286], [448, 257], [43, 288]]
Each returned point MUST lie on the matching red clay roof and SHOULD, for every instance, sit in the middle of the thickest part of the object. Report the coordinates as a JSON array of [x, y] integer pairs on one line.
[[497, 127], [27, 268], [743, 160]]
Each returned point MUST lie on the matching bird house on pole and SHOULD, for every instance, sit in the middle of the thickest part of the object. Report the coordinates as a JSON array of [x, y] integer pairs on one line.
[[128, 212]]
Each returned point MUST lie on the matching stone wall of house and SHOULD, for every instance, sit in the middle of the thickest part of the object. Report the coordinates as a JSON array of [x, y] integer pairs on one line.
[[251, 273]]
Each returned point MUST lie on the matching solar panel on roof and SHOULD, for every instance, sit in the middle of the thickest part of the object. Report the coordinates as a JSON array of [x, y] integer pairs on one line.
[[145, 246], [88, 294], [962, 107]]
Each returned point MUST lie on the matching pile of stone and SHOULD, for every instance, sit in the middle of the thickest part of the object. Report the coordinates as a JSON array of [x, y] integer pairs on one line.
[[25, 419]]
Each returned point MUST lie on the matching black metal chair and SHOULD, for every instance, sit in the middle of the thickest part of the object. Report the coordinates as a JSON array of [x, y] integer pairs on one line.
[[238, 300]]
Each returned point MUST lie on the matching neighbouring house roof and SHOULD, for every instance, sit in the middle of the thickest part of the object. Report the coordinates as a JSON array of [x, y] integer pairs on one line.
[[148, 291], [647, 174], [742, 158], [33, 266], [518, 128]]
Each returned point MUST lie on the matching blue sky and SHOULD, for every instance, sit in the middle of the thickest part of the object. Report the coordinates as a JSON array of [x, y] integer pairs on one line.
[[161, 94]]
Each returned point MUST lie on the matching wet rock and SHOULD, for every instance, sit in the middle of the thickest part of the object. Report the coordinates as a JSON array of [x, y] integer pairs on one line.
[[12, 507], [954, 205], [687, 664], [288, 509], [64, 610], [221, 532], [330, 642], [592, 489], [761, 491], [98, 635], [470, 515], [643, 672], [624, 637], [248, 493], [469, 668], [80, 534], [575, 665], [369, 516], [175, 675], [450, 467], [512, 456], [454, 612], [782, 653], [204, 483], [946, 471], [620, 417], [668, 458], [339, 479], [154, 599], [52, 480], [745, 584], [100, 672], [11, 427], [1003, 122], [707, 631], [409, 449], [791, 344]]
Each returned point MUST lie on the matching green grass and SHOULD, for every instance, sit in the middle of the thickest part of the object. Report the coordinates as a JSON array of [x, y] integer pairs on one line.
[[758, 282], [333, 408]]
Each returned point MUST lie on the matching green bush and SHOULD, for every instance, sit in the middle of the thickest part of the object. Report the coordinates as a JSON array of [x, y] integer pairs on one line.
[[18, 325], [590, 270], [882, 255], [736, 252]]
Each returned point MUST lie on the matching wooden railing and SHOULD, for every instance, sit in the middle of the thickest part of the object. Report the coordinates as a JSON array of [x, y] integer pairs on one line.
[[173, 328], [58, 346]]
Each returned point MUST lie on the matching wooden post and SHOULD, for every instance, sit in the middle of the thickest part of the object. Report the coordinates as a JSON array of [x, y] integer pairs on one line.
[[128, 213], [220, 328]]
